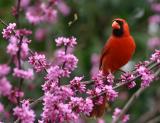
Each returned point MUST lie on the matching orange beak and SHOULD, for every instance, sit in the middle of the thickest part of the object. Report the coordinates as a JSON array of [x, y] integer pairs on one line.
[[115, 25]]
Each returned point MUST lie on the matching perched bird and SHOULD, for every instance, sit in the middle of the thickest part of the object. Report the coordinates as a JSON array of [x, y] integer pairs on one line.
[[117, 51]]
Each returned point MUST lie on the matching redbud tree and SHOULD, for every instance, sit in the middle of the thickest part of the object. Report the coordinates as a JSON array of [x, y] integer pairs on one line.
[[66, 96]]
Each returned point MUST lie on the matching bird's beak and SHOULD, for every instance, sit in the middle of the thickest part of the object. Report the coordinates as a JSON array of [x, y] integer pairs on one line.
[[115, 25]]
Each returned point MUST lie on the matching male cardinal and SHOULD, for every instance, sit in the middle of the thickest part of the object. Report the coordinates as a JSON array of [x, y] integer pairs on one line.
[[117, 51]]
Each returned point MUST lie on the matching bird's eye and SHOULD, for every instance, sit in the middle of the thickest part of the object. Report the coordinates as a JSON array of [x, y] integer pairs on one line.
[[119, 22]]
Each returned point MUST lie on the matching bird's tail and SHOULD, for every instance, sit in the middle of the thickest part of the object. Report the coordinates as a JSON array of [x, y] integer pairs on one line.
[[99, 109]]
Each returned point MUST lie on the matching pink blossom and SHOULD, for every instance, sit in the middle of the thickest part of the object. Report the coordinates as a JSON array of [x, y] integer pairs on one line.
[[70, 62], [5, 86], [38, 61], [155, 7], [40, 34], [50, 14], [154, 43], [60, 57], [80, 105], [117, 112], [100, 120], [4, 69], [110, 93], [98, 80], [146, 75], [76, 84], [110, 78], [14, 95], [24, 113], [96, 92], [23, 32], [63, 7], [55, 108], [13, 39], [24, 3], [52, 78], [66, 41], [23, 74], [34, 14], [12, 49], [8, 31], [24, 50], [126, 77], [95, 64], [156, 56], [41, 13], [154, 19], [66, 113]]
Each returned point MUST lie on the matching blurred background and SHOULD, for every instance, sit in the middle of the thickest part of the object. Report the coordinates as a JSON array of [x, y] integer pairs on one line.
[[90, 22]]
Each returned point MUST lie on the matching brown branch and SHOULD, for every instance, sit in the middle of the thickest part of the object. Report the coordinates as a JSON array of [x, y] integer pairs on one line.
[[17, 12], [154, 120], [36, 101], [148, 115], [129, 103]]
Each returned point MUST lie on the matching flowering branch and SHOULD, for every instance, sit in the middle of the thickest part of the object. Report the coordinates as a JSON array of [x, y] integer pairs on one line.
[[131, 100]]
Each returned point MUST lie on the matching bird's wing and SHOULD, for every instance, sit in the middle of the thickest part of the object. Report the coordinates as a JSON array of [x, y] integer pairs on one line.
[[104, 52]]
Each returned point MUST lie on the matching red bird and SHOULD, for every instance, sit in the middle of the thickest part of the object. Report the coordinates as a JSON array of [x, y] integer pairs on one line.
[[117, 51]]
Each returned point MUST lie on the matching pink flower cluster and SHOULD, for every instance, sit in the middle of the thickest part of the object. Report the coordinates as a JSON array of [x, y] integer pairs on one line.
[[103, 84], [127, 77], [5, 86], [146, 75], [15, 37], [60, 102], [81, 106], [41, 13], [4, 70], [38, 61], [15, 94], [56, 107], [46, 11], [13, 48], [156, 56], [66, 41], [154, 43], [76, 84], [24, 113], [117, 112], [95, 64], [7, 32], [23, 74], [155, 7]]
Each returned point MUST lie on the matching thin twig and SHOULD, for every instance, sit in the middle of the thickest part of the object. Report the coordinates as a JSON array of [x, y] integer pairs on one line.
[[3, 22], [131, 100], [154, 120], [129, 103], [17, 12], [36, 101]]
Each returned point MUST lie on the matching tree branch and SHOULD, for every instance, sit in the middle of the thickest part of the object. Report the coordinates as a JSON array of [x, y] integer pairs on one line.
[[131, 100]]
